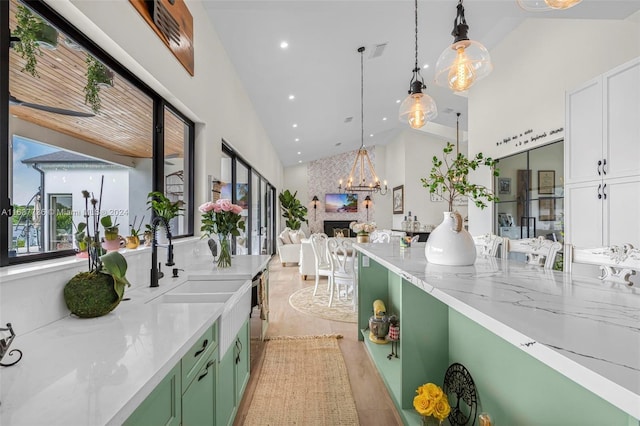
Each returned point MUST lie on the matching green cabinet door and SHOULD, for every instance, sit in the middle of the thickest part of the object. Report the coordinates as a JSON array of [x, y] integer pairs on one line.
[[198, 401], [162, 406], [226, 389], [242, 361]]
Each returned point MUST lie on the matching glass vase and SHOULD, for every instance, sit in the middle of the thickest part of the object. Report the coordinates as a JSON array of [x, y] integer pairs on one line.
[[224, 258]]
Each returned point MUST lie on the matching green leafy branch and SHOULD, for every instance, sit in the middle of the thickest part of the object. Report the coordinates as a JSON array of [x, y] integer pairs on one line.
[[449, 177]]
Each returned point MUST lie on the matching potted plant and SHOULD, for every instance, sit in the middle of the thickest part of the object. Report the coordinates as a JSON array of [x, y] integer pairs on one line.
[[163, 207], [449, 243], [81, 240], [111, 230], [133, 239], [30, 34], [292, 210], [362, 230], [98, 76], [98, 291]]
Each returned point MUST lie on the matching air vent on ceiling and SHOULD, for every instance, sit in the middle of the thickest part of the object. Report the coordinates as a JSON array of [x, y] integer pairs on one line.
[[378, 50], [447, 110], [338, 143], [348, 119]]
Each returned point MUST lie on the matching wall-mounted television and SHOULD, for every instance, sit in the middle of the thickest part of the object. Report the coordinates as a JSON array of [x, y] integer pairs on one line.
[[341, 203]]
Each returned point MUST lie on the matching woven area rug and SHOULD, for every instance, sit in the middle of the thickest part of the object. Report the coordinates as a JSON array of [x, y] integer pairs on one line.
[[303, 381], [341, 310]]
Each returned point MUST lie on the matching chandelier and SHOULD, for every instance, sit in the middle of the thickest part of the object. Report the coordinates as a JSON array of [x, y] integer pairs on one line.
[[357, 179]]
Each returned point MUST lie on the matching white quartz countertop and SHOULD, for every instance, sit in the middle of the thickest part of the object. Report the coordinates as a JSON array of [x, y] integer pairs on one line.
[[583, 328], [97, 371]]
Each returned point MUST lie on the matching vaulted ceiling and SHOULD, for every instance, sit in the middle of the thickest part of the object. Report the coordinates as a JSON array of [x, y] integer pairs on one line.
[[321, 66]]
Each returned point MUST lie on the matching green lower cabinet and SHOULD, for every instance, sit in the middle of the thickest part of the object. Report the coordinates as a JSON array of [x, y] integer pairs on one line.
[[226, 395], [198, 401], [187, 395], [242, 361], [162, 406], [233, 376]]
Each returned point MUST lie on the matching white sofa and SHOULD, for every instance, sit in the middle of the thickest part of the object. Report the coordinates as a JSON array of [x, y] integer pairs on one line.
[[288, 244]]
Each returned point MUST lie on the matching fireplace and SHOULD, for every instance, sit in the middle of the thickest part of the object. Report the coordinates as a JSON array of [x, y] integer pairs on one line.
[[332, 227]]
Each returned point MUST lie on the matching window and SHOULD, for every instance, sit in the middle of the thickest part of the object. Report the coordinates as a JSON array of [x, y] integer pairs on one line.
[[246, 187], [531, 192], [77, 120]]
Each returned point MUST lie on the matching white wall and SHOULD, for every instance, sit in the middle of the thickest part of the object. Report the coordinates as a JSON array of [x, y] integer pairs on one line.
[[533, 68]]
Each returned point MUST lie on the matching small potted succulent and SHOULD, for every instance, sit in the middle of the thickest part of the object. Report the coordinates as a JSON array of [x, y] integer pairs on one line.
[[133, 239]]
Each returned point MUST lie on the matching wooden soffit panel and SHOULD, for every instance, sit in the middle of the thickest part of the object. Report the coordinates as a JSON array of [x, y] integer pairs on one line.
[[173, 23]]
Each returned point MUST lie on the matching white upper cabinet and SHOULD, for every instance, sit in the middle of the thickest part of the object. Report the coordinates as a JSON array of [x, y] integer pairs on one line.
[[602, 160], [622, 120]]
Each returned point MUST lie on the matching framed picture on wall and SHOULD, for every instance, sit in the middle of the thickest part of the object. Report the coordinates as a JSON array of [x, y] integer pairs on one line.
[[398, 199], [504, 185], [546, 209], [546, 181]]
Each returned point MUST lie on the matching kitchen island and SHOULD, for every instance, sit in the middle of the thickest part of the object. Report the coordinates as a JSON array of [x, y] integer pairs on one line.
[[99, 371], [543, 347]]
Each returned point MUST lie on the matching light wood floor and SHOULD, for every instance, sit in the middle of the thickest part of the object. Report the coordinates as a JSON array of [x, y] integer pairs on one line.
[[372, 399]]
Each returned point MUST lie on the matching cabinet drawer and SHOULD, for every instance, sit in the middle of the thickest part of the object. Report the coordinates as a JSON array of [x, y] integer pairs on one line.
[[192, 361]]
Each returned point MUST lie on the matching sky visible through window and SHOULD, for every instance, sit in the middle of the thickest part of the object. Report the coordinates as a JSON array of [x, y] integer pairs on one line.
[[26, 180]]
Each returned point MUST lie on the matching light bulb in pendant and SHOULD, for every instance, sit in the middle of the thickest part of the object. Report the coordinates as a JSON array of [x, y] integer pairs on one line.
[[416, 116], [561, 4], [461, 73]]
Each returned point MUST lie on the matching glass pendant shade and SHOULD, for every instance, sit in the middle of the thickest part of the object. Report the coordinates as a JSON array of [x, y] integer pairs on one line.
[[542, 5], [417, 109], [462, 64]]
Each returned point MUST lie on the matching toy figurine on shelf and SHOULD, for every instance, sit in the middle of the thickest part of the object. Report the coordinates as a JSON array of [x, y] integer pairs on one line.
[[379, 323], [394, 335]]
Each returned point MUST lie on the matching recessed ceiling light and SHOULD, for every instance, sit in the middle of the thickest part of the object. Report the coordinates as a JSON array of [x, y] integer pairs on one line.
[[291, 97], [397, 101], [425, 66], [295, 125], [384, 118], [299, 153], [284, 45], [299, 161], [297, 139], [371, 135]]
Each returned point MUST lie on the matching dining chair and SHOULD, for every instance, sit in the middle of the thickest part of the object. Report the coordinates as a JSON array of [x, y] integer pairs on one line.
[[487, 245], [616, 263], [323, 268], [342, 264], [539, 251], [380, 237]]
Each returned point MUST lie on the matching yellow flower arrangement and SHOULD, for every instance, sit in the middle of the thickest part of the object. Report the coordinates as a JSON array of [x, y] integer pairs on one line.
[[431, 401]]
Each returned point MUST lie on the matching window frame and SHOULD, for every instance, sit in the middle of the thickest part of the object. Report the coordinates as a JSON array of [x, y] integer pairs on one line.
[[159, 104]]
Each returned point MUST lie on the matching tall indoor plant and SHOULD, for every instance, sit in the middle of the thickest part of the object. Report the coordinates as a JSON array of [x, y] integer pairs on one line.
[[292, 210], [450, 243]]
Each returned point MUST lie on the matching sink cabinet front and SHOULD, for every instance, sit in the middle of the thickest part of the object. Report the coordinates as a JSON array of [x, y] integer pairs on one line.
[[233, 376]]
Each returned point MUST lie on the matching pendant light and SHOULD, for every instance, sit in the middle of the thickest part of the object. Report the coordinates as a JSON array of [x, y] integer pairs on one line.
[[465, 61], [362, 161], [543, 5], [418, 107]]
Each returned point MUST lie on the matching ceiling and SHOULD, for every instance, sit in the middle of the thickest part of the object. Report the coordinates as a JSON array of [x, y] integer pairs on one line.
[[124, 122], [321, 65]]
